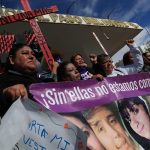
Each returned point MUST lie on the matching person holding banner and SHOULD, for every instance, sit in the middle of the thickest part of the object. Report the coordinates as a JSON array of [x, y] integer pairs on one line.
[[108, 129], [136, 118], [21, 73], [68, 72], [106, 64]]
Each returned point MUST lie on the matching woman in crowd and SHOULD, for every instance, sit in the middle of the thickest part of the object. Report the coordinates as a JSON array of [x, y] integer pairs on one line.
[[108, 129], [136, 119], [68, 72], [106, 64], [83, 69], [21, 73]]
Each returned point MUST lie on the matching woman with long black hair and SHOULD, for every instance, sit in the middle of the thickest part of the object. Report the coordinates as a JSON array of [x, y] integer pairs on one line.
[[136, 118]]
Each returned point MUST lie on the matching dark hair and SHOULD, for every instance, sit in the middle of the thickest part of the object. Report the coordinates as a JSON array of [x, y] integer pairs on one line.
[[12, 53], [111, 107], [126, 59], [72, 59], [100, 60], [128, 103], [15, 48], [61, 71]]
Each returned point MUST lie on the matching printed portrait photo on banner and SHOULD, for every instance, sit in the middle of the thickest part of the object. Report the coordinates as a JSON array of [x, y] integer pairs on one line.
[[78, 119], [136, 117], [106, 124]]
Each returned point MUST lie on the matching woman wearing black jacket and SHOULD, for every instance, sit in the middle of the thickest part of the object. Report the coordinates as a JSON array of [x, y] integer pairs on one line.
[[20, 74]]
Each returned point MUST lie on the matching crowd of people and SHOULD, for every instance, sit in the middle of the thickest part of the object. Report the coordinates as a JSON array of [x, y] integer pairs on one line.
[[23, 69]]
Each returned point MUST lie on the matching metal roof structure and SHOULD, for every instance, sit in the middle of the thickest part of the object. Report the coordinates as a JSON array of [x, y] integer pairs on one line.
[[71, 34]]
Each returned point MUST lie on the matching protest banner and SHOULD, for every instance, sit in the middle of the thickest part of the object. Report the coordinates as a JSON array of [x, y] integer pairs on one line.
[[117, 109], [77, 96], [30, 126], [122, 124]]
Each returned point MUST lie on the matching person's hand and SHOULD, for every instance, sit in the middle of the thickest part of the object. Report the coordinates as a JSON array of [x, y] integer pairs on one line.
[[130, 42], [83, 65], [99, 77], [15, 91], [55, 66]]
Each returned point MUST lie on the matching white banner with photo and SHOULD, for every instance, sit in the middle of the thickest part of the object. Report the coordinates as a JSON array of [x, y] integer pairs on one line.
[[29, 126]]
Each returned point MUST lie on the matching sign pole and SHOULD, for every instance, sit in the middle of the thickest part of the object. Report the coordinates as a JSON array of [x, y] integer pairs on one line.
[[99, 42]]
